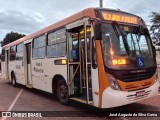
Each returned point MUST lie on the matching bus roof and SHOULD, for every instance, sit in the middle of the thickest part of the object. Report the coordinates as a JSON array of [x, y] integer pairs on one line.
[[89, 12]]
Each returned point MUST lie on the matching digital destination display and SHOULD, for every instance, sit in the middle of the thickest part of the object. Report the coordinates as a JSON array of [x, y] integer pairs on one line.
[[120, 17]]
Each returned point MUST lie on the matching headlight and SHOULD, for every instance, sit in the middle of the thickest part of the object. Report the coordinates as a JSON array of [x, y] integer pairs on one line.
[[113, 82]]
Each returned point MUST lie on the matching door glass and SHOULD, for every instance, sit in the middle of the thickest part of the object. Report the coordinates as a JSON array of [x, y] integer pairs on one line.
[[83, 58], [88, 39], [89, 83], [75, 78], [74, 67], [28, 54], [73, 47]]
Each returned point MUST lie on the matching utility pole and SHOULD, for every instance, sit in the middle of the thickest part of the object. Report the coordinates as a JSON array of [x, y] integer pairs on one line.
[[100, 3]]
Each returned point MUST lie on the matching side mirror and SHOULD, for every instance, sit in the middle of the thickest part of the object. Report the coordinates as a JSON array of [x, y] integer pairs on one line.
[[98, 31], [145, 30], [154, 51], [94, 60]]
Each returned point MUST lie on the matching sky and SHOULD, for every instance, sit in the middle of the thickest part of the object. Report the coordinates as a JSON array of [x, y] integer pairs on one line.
[[28, 16]]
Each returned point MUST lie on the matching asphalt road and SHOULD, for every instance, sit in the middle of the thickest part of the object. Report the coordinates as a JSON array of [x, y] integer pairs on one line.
[[24, 99]]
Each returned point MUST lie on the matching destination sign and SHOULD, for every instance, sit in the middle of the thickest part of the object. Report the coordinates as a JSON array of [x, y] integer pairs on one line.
[[120, 17]]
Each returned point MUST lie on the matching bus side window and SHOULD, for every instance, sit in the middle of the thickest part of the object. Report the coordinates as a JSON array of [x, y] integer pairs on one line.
[[39, 47], [13, 53], [3, 55], [19, 53], [56, 44]]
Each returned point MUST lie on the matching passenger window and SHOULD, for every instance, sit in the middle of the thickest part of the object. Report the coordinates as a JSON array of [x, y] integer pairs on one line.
[[13, 53], [3, 55], [19, 53], [39, 47], [56, 45]]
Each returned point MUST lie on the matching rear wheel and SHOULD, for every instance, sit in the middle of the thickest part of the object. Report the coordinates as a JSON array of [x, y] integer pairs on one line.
[[13, 80], [62, 92]]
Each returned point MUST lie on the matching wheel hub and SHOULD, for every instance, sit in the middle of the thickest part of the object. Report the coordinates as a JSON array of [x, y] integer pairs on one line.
[[63, 91]]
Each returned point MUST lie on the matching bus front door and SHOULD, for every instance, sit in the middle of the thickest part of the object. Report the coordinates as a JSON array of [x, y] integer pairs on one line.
[[28, 51], [79, 64]]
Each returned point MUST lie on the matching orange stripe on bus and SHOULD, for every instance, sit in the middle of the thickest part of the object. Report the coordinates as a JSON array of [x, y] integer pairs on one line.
[[103, 82]]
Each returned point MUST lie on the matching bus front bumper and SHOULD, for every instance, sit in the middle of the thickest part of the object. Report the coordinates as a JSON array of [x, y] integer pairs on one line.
[[113, 98]]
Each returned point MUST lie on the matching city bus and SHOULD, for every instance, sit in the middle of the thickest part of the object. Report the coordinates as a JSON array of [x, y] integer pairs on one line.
[[95, 56]]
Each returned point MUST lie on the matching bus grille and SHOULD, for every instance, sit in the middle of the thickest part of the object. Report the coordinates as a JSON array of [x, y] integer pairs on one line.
[[135, 76], [135, 98]]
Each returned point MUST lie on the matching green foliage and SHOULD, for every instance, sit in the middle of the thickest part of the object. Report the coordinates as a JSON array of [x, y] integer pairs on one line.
[[10, 37], [155, 28]]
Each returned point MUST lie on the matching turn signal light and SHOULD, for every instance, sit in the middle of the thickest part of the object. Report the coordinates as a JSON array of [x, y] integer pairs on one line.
[[64, 62], [60, 62]]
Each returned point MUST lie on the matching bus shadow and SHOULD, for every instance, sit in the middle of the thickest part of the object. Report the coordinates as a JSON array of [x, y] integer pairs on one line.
[[131, 108]]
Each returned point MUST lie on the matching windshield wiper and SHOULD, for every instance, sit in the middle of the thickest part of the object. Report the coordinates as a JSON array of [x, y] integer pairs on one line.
[[116, 26], [134, 44], [139, 36], [139, 33]]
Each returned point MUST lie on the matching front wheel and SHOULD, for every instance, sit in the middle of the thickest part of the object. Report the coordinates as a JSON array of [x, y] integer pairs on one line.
[[62, 92]]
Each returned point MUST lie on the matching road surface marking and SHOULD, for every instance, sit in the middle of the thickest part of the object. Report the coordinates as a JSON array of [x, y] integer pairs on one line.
[[13, 103]]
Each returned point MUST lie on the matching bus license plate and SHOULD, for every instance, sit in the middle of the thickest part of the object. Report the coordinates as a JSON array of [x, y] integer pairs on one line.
[[140, 93]]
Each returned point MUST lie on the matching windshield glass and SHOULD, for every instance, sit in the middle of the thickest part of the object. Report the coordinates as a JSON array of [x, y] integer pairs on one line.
[[126, 47]]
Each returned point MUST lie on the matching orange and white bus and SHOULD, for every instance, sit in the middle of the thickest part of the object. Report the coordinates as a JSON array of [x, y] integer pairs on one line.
[[101, 57]]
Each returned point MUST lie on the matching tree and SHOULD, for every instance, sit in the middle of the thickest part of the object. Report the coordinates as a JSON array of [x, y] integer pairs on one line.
[[10, 37], [155, 27]]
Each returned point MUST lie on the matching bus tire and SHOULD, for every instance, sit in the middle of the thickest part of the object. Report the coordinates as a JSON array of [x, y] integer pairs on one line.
[[62, 92], [13, 80]]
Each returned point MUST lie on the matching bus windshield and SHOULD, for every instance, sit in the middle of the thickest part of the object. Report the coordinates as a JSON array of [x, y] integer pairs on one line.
[[126, 46]]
